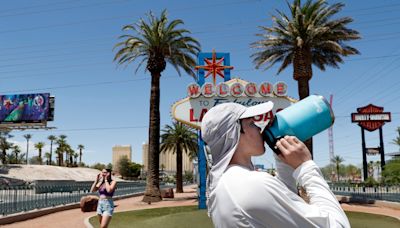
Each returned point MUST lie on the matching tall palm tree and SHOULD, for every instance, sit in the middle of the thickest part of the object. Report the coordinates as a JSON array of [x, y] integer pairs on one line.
[[59, 153], [337, 160], [71, 153], [4, 144], [52, 138], [178, 139], [39, 146], [308, 36], [27, 137], [80, 148], [61, 142], [76, 155], [47, 155], [16, 150], [156, 42]]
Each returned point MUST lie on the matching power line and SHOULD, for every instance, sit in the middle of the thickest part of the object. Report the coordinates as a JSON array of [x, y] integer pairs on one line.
[[92, 129], [96, 55], [119, 17], [362, 77], [97, 4], [37, 6], [105, 19], [373, 7], [76, 85]]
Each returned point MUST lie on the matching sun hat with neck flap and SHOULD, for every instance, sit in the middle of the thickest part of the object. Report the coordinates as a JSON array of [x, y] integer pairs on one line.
[[220, 130]]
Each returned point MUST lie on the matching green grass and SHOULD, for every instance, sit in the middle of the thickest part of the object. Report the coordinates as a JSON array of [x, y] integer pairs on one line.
[[191, 217], [366, 220], [167, 217]]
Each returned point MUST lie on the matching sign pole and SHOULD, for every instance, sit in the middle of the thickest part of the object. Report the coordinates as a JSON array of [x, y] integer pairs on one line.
[[202, 166], [382, 151], [364, 154], [202, 171], [203, 96], [371, 118]]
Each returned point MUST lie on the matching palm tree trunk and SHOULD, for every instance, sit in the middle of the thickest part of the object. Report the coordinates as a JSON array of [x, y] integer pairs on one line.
[[66, 158], [80, 156], [302, 73], [51, 151], [152, 192], [27, 150], [59, 158], [71, 160], [179, 187], [3, 157], [337, 170], [40, 156]]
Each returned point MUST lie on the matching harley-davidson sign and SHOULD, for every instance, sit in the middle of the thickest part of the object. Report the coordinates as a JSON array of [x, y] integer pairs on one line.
[[370, 117], [191, 110]]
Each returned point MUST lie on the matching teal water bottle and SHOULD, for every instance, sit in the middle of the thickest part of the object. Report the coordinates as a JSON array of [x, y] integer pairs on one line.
[[303, 119]]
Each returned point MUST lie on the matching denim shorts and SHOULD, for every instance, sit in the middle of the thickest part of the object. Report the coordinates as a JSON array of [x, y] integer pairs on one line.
[[105, 207]]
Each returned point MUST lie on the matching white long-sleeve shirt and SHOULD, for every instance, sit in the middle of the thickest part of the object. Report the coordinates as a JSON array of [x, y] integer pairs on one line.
[[247, 198]]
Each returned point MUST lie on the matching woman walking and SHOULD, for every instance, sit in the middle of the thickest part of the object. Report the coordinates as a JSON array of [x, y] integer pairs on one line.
[[106, 187]]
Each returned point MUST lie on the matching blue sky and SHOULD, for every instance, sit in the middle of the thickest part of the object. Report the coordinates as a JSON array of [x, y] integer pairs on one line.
[[64, 47]]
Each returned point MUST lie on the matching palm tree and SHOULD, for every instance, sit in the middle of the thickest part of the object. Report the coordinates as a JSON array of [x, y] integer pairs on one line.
[[76, 155], [309, 36], [352, 171], [178, 138], [80, 148], [71, 153], [61, 142], [52, 138], [27, 137], [47, 155], [16, 150], [39, 146], [337, 160], [4, 144], [59, 153], [155, 43]]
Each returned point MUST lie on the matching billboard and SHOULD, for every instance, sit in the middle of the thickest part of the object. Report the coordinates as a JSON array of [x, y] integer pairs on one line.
[[26, 108]]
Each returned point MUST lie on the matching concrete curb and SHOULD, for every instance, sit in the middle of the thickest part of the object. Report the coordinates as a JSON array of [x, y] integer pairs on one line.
[[87, 223]]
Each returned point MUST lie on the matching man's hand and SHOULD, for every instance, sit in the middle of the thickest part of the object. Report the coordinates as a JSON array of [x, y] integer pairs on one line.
[[293, 151]]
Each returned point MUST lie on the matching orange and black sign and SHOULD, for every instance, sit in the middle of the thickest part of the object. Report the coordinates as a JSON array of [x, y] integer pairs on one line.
[[370, 117]]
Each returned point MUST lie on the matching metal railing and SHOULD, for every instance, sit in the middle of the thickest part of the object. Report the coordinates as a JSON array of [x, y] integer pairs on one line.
[[14, 199], [388, 193]]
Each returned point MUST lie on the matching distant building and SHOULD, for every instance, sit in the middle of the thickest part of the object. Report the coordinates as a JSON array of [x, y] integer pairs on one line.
[[167, 161], [393, 155], [118, 151]]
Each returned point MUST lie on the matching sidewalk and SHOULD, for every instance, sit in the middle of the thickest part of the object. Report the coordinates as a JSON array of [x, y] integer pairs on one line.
[[76, 218]]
